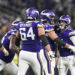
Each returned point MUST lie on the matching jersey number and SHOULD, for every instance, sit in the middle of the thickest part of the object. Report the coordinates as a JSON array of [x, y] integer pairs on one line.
[[28, 34]]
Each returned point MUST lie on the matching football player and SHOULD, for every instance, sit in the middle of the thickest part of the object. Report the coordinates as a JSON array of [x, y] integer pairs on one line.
[[6, 62], [52, 36], [67, 34], [31, 32], [48, 28]]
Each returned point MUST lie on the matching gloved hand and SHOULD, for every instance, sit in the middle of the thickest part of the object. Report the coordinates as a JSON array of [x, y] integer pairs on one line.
[[72, 48], [50, 55]]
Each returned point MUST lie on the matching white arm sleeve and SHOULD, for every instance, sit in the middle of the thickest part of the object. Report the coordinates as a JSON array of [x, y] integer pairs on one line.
[[73, 39]]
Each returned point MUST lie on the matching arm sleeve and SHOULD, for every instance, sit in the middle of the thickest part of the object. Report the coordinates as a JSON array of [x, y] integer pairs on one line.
[[44, 40], [60, 42], [0, 45], [17, 41]]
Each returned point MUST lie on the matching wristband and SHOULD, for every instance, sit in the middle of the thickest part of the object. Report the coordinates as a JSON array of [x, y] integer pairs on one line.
[[4, 50], [70, 47]]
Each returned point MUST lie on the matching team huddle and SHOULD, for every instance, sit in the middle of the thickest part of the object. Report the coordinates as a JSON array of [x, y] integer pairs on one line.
[[38, 42]]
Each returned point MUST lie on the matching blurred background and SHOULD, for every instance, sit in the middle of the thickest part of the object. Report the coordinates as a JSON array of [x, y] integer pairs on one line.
[[10, 10]]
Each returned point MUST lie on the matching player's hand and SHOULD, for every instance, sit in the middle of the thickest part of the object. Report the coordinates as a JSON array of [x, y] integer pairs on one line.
[[6, 53], [18, 50], [50, 55], [72, 48]]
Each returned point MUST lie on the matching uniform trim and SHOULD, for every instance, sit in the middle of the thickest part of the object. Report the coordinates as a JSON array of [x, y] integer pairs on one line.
[[38, 56], [49, 62], [49, 30], [70, 34], [39, 26], [14, 24]]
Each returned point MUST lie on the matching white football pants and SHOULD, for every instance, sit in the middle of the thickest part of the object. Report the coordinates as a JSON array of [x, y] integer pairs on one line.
[[48, 65], [11, 68], [65, 63], [27, 59]]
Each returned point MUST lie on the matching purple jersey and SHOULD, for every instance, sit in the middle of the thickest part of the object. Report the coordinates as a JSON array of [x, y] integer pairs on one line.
[[5, 42], [65, 36], [29, 36], [49, 28], [15, 24]]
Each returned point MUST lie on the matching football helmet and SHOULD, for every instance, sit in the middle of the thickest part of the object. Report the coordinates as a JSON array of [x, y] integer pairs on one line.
[[32, 13], [66, 19], [46, 15]]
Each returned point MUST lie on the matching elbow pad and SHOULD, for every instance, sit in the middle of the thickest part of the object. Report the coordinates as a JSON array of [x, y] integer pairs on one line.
[[44, 40], [60, 42]]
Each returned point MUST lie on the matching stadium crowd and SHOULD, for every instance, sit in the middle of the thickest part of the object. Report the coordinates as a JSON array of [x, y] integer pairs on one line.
[[11, 9]]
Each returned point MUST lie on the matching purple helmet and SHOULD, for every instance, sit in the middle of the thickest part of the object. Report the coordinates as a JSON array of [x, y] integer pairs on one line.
[[46, 15], [65, 18], [15, 23], [32, 13]]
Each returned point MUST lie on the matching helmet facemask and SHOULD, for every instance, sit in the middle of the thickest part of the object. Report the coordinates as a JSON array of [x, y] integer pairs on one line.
[[64, 22]]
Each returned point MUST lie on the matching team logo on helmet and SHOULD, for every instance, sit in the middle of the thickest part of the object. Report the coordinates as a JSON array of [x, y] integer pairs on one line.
[[46, 15], [65, 18]]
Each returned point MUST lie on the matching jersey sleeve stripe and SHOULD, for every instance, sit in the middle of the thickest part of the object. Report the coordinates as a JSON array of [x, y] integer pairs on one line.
[[49, 30], [40, 26], [14, 24], [72, 34]]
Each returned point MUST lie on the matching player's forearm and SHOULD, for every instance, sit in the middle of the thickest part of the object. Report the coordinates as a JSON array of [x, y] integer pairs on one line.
[[64, 44], [17, 41], [15, 48], [6, 53], [60, 42], [12, 42], [45, 42], [57, 40], [47, 48]]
